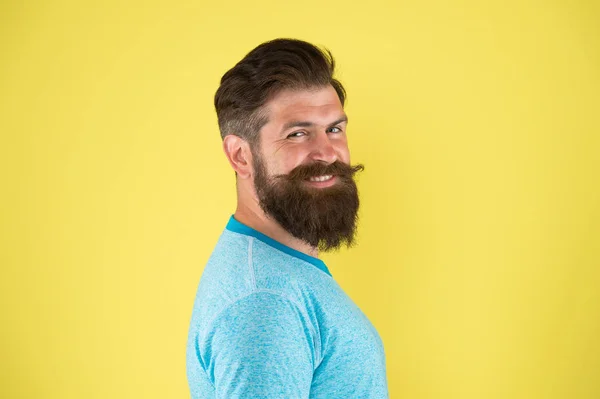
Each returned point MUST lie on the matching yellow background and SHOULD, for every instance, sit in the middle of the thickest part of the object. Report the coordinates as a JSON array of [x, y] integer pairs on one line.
[[478, 123]]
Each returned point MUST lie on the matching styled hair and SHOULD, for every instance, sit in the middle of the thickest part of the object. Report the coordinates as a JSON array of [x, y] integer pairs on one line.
[[273, 66]]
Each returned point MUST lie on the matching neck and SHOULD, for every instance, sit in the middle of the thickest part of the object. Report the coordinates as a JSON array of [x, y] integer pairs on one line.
[[254, 216]]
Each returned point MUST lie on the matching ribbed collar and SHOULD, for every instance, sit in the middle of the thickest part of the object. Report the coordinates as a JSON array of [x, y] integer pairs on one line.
[[237, 227]]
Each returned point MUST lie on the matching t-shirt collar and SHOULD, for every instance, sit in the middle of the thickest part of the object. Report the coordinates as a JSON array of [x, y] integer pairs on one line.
[[238, 227]]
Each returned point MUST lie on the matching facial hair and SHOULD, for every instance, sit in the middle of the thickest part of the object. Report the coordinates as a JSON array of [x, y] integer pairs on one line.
[[325, 218]]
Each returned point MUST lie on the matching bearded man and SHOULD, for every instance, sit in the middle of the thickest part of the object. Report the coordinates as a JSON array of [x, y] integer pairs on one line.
[[269, 320]]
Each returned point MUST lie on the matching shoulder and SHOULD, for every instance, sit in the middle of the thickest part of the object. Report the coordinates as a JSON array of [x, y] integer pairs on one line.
[[260, 319]]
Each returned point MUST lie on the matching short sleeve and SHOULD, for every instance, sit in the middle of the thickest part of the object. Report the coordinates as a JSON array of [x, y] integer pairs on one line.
[[260, 346]]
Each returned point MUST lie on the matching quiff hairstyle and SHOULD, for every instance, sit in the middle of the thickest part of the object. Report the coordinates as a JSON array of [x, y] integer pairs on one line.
[[280, 64]]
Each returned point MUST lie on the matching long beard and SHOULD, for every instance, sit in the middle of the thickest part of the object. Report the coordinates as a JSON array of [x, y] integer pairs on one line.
[[326, 217]]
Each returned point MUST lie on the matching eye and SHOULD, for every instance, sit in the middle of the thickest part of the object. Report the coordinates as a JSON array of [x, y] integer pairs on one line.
[[296, 134], [334, 129]]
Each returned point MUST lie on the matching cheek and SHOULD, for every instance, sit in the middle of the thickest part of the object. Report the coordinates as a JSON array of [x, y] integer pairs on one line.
[[290, 164], [290, 160], [344, 153], [282, 165]]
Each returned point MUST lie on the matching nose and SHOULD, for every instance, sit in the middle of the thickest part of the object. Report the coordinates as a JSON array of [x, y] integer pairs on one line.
[[322, 149]]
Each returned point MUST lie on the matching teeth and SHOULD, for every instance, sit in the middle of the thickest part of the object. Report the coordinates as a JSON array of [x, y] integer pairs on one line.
[[321, 178]]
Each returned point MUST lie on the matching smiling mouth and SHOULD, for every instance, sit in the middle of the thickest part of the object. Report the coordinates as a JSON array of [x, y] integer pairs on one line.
[[320, 178]]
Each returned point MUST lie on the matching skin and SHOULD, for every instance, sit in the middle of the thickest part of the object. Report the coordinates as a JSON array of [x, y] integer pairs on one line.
[[319, 137]]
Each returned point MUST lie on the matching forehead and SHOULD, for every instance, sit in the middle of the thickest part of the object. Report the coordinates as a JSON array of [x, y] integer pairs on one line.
[[319, 105]]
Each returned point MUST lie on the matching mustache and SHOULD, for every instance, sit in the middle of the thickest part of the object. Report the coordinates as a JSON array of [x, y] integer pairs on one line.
[[337, 168]]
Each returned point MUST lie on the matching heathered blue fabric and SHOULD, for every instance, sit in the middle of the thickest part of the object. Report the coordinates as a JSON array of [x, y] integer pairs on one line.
[[271, 322]]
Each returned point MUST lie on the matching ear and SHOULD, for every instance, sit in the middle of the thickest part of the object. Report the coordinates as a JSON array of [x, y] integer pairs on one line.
[[237, 151]]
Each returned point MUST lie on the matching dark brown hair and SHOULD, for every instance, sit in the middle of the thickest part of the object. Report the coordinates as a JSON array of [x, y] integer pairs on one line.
[[265, 71]]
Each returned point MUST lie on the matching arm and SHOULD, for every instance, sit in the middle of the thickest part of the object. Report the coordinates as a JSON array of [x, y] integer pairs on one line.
[[260, 346]]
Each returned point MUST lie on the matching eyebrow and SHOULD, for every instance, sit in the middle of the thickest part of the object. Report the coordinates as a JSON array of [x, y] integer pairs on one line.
[[292, 124]]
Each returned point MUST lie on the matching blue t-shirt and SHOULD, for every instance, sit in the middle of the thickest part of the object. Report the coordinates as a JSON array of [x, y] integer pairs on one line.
[[271, 322]]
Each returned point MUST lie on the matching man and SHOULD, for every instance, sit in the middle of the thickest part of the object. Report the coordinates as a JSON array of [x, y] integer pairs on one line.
[[269, 321]]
